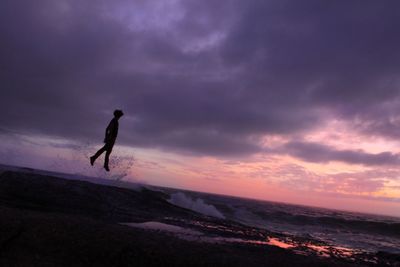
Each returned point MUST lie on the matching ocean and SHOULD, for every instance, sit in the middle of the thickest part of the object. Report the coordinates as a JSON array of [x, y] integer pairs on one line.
[[331, 228]]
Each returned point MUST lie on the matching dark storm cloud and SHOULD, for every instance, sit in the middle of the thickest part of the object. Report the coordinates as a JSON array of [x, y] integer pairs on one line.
[[340, 55], [313, 152], [208, 77]]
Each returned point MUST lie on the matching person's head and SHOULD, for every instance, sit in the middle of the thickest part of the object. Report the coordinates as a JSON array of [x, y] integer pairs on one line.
[[118, 113]]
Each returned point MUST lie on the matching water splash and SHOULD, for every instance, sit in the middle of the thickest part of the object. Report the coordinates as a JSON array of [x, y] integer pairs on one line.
[[76, 162]]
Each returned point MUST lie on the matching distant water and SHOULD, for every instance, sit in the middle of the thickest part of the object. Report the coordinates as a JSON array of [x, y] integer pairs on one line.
[[370, 233]]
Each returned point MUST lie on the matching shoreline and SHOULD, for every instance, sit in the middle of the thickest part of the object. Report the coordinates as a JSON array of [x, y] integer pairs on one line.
[[51, 221]]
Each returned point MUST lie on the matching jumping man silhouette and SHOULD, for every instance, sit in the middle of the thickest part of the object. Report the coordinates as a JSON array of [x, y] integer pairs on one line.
[[109, 140]]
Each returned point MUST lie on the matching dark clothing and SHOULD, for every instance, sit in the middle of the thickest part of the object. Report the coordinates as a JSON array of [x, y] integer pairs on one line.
[[109, 140], [111, 131], [108, 148]]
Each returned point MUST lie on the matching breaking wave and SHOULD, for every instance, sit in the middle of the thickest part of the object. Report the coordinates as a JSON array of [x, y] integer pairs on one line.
[[198, 205]]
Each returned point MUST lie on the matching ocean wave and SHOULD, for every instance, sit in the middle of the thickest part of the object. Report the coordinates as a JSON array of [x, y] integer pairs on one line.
[[198, 205], [383, 228]]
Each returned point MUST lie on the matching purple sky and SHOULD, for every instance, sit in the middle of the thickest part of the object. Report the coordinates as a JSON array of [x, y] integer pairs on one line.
[[221, 80]]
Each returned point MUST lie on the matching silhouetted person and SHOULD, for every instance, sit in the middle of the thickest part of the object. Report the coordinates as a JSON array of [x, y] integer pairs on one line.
[[109, 140]]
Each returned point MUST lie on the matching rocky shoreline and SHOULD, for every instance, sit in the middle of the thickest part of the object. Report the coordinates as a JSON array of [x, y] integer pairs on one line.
[[52, 221]]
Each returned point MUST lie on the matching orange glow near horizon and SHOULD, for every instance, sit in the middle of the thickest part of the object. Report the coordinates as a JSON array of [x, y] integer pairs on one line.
[[272, 177], [283, 178], [280, 179]]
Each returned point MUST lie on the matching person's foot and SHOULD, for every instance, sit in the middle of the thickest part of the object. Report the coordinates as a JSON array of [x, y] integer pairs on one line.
[[92, 159], [107, 169]]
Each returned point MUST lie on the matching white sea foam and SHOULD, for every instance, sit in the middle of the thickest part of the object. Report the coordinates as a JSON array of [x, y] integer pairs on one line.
[[198, 205]]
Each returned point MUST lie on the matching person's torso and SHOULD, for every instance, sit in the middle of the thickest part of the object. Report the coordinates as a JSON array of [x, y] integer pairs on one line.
[[114, 128]]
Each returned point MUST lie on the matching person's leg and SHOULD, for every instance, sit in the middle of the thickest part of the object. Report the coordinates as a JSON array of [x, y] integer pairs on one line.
[[98, 153], [107, 158]]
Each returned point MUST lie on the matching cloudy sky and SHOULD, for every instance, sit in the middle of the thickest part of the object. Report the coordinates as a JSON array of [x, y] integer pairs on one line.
[[284, 100]]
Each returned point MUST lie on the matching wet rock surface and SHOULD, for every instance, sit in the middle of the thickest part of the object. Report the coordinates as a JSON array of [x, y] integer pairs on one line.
[[50, 221]]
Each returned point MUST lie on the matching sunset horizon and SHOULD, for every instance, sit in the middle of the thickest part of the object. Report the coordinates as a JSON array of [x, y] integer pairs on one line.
[[285, 101]]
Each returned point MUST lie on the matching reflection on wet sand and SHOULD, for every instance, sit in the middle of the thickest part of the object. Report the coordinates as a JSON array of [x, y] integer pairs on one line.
[[202, 234], [276, 242]]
